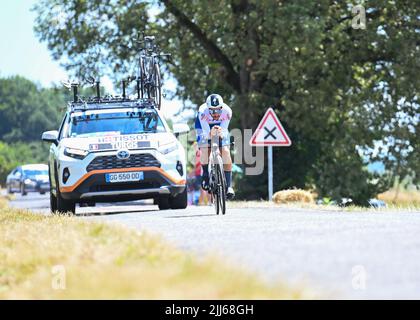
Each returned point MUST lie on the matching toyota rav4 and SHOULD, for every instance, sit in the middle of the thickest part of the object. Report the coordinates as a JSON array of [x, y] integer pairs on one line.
[[116, 150]]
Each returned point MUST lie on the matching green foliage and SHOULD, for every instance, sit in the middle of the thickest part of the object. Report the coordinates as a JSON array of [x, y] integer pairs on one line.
[[338, 90], [27, 110]]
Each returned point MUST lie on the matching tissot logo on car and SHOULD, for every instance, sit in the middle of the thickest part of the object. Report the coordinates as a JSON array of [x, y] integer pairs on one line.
[[123, 154]]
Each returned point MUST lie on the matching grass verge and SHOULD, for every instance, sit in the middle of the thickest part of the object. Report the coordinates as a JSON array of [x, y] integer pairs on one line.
[[59, 257]]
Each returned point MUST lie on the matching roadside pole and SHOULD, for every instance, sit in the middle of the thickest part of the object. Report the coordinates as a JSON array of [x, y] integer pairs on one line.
[[270, 133], [270, 173]]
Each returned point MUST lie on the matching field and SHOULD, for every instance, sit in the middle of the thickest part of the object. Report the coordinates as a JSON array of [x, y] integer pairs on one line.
[[59, 257]]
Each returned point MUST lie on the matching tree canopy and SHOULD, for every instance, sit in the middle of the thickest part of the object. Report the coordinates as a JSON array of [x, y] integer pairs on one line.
[[27, 110], [346, 96]]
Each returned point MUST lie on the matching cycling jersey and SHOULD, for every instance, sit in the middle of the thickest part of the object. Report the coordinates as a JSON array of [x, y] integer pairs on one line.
[[206, 120]]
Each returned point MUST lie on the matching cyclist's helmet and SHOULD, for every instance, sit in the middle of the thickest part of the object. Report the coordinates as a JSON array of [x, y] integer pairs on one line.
[[214, 101]]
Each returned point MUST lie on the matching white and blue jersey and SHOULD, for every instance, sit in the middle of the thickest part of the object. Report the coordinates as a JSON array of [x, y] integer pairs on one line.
[[207, 119]]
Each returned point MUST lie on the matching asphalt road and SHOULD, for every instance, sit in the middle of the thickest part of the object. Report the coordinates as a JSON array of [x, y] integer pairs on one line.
[[339, 254]]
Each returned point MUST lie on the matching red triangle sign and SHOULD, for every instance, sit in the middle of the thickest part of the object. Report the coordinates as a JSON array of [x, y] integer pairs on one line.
[[270, 132]]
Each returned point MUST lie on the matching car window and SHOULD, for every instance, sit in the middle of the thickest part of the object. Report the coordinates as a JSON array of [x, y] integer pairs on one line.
[[116, 123], [34, 173], [63, 127]]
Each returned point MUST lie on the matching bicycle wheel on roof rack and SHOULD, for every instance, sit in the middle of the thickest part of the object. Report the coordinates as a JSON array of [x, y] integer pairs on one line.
[[156, 86], [142, 77]]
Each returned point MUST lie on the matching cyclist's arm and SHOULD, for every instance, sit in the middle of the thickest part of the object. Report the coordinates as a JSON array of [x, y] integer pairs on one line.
[[205, 127], [225, 123]]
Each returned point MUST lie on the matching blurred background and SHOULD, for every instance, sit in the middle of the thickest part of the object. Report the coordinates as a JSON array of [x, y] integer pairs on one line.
[[348, 97]]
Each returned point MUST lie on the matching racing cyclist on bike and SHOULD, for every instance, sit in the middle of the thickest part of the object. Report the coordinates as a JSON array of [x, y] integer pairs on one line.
[[213, 119]]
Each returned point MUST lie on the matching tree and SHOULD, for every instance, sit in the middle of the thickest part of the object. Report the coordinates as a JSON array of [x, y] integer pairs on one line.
[[338, 90], [27, 110]]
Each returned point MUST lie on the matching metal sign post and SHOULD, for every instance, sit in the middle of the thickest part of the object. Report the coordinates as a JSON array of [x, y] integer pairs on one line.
[[270, 173], [270, 133]]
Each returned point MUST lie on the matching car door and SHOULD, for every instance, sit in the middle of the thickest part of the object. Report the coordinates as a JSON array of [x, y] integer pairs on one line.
[[12, 179], [9, 180], [17, 178]]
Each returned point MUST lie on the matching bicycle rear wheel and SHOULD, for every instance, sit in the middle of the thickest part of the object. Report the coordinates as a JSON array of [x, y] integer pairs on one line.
[[157, 86], [213, 182]]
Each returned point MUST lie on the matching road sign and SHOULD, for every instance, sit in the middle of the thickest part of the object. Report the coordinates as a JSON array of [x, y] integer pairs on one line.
[[270, 132]]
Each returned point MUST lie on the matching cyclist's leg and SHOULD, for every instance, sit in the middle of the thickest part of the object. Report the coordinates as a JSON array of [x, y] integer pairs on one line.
[[227, 167], [204, 159]]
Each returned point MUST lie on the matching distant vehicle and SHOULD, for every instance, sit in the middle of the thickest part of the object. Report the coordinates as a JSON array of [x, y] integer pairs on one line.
[[28, 178]]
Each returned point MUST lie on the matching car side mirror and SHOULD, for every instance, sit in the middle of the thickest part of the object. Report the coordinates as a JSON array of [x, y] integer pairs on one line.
[[180, 128], [50, 136]]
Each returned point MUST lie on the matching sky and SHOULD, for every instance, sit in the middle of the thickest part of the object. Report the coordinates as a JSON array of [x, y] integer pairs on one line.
[[20, 51], [22, 54]]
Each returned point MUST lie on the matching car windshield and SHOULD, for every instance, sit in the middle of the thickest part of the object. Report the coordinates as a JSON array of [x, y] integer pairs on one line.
[[118, 123], [34, 173]]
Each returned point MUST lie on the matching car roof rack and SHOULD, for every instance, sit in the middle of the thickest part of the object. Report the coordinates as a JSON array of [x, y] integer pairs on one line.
[[99, 102], [110, 102]]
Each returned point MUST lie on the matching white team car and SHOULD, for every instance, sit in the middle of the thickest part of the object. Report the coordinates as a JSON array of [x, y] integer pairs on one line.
[[116, 151]]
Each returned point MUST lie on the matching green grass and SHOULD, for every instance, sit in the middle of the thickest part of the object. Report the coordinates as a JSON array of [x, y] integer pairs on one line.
[[106, 261]]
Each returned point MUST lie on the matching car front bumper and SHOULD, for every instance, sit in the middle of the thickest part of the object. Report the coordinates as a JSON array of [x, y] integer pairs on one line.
[[93, 187]]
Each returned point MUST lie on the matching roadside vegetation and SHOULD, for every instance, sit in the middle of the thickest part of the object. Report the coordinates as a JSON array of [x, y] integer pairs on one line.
[[104, 261], [401, 198]]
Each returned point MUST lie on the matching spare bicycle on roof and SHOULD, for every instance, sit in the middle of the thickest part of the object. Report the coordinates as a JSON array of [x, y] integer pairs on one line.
[[148, 82]]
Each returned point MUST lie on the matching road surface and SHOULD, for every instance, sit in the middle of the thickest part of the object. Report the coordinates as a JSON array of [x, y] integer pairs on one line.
[[336, 253]]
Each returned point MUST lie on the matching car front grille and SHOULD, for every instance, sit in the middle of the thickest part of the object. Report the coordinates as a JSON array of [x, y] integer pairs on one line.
[[134, 161]]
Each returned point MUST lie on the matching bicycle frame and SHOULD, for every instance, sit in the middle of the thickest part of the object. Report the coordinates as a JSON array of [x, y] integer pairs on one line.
[[217, 183]]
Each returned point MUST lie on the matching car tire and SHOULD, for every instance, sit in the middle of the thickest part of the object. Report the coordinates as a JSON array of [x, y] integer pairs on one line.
[[64, 206], [53, 202], [22, 190], [180, 201], [163, 203]]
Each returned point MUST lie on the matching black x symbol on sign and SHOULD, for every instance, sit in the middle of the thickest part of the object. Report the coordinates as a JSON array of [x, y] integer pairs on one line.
[[270, 133]]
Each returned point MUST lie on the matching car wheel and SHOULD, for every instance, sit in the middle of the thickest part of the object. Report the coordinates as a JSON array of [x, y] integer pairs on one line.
[[63, 205], [53, 202], [22, 190], [180, 201], [163, 203]]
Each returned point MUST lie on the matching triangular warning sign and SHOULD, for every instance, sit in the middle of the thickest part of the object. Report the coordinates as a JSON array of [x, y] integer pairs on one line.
[[270, 132]]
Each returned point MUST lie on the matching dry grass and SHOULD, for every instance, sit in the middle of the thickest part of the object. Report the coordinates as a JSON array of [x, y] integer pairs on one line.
[[293, 195], [111, 262], [402, 198]]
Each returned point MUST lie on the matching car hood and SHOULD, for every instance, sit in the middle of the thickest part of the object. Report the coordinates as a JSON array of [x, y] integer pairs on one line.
[[117, 142]]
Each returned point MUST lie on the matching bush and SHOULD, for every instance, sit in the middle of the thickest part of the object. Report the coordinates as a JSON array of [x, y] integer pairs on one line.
[[293, 195]]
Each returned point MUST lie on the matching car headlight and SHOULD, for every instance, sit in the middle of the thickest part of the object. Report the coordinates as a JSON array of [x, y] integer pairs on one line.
[[168, 148], [29, 182], [76, 153]]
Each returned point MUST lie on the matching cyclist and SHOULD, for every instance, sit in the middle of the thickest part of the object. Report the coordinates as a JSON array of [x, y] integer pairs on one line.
[[213, 119]]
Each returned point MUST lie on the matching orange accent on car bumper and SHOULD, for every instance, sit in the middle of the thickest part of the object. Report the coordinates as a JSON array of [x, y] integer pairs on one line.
[[91, 173]]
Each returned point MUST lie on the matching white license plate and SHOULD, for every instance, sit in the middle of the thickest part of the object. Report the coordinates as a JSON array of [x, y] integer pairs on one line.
[[124, 177]]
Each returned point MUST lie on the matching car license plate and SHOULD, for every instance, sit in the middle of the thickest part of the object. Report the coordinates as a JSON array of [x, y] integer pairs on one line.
[[124, 177]]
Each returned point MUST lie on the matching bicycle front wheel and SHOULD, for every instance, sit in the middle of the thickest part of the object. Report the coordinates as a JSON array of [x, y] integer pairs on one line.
[[221, 189]]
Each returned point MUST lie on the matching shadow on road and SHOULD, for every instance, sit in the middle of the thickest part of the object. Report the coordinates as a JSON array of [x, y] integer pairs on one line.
[[191, 216], [98, 213]]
